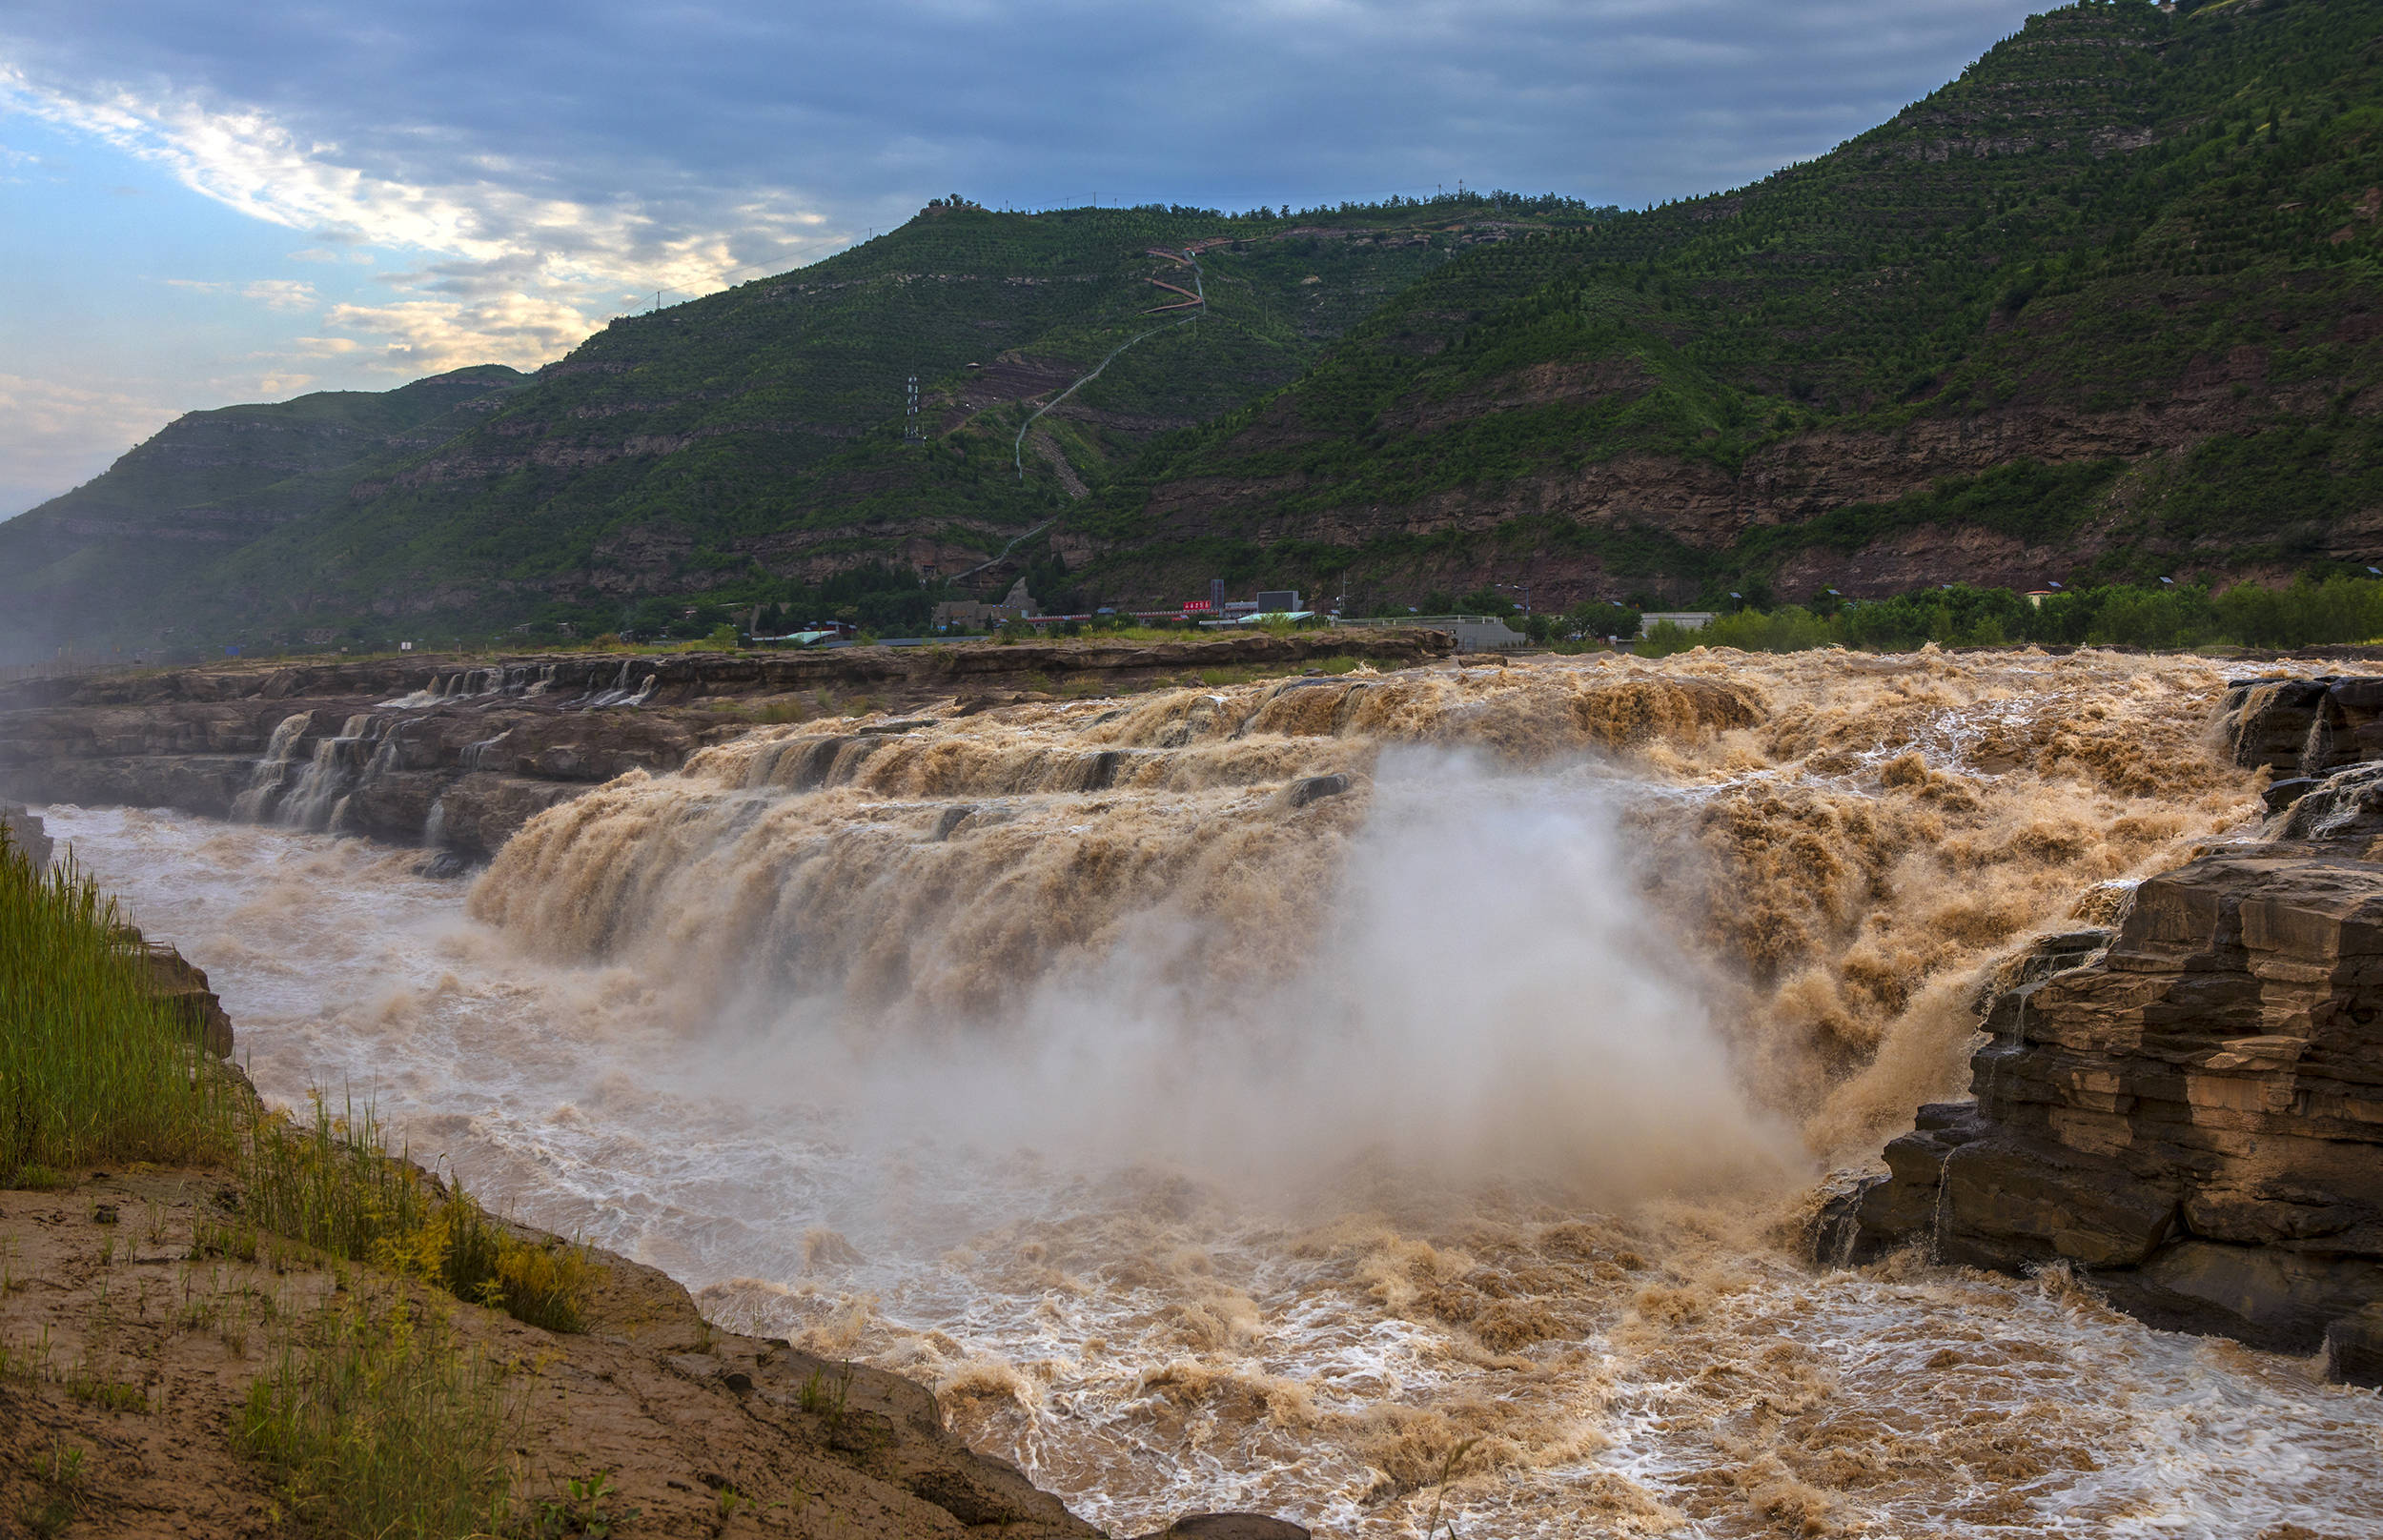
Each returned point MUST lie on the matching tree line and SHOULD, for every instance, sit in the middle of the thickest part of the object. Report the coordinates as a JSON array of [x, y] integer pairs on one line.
[[2311, 612]]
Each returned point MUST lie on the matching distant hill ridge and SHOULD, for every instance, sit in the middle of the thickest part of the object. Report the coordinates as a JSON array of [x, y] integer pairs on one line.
[[757, 430], [2108, 305]]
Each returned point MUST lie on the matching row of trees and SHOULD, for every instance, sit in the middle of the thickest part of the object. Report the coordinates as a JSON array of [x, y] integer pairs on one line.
[[2310, 613]]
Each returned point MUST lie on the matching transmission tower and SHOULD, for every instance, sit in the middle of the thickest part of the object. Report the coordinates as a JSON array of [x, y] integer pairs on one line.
[[911, 434]]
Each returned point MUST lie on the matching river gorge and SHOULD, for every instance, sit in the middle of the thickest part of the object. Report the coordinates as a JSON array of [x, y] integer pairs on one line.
[[1356, 1096]]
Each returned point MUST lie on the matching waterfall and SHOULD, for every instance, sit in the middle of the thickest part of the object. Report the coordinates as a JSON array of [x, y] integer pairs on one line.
[[265, 782], [334, 770]]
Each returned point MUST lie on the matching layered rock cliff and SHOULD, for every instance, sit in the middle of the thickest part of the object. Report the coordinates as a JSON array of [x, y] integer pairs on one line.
[[458, 756], [2189, 1107]]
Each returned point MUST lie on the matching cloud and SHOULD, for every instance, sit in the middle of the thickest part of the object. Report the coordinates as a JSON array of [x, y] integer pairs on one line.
[[428, 336], [470, 183], [55, 433], [501, 236], [282, 294]]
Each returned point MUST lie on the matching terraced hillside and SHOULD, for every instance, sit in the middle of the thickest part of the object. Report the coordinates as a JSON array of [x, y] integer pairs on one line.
[[755, 435], [2107, 306]]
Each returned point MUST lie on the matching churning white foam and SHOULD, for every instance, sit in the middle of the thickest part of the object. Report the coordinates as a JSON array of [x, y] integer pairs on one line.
[[1451, 1141]]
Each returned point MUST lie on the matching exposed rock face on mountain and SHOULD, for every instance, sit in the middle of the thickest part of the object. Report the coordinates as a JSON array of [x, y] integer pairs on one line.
[[458, 757], [2189, 1108]]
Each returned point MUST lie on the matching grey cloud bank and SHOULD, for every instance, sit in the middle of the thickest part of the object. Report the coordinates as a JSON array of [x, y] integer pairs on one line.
[[524, 170]]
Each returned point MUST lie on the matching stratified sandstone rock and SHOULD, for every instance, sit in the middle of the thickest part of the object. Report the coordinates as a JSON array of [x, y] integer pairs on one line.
[[182, 985], [2192, 1116], [460, 757], [2303, 728]]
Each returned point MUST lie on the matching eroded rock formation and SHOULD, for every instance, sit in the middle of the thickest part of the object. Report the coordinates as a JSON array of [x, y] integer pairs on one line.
[[458, 757], [24, 831], [2189, 1108]]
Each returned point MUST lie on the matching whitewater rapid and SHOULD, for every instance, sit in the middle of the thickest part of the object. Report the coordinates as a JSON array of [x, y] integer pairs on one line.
[[1471, 1125]]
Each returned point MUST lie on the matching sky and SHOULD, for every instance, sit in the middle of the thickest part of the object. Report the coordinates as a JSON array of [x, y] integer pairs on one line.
[[204, 203]]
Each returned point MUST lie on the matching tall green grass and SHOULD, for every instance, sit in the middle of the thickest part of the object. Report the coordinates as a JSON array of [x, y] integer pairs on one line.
[[330, 1183], [92, 1067], [387, 1427]]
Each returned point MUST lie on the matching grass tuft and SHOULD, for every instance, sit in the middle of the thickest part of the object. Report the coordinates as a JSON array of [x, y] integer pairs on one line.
[[92, 1067], [386, 1428], [330, 1183]]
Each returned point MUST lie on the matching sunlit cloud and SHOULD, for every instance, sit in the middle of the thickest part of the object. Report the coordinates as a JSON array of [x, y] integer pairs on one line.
[[282, 294], [512, 274], [428, 336]]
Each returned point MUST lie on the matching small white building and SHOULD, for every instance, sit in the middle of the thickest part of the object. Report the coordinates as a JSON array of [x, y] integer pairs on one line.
[[1684, 619]]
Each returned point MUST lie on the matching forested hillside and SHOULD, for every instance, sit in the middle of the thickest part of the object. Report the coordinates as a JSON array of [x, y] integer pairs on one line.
[[2107, 306], [755, 440]]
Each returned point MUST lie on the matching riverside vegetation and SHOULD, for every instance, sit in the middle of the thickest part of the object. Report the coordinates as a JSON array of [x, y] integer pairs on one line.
[[377, 1418], [284, 1329], [2336, 611], [2102, 310]]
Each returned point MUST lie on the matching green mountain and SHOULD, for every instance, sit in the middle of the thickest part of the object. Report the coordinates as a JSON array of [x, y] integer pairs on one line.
[[753, 439], [109, 558], [2107, 306]]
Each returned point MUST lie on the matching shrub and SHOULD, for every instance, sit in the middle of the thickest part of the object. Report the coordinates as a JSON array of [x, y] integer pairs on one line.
[[331, 1184]]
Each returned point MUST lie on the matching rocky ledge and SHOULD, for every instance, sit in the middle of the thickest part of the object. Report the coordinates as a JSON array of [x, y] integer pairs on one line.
[[457, 756], [2187, 1109]]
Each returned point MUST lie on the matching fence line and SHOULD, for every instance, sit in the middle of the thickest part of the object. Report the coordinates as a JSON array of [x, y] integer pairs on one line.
[[67, 664]]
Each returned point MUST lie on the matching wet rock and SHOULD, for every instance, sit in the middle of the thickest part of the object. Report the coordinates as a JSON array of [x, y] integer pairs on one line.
[[2303, 727], [1229, 1527], [441, 865], [1314, 789], [2341, 807], [24, 832], [2282, 793], [2191, 1114], [2353, 1347]]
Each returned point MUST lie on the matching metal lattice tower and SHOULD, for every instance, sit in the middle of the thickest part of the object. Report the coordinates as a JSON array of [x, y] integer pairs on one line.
[[910, 421]]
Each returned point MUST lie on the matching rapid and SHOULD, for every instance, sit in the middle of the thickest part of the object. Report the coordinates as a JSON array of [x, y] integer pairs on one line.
[[1377, 1099]]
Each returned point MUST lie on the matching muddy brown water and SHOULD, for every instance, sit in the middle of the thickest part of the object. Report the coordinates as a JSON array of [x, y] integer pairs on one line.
[[1207, 1142]]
